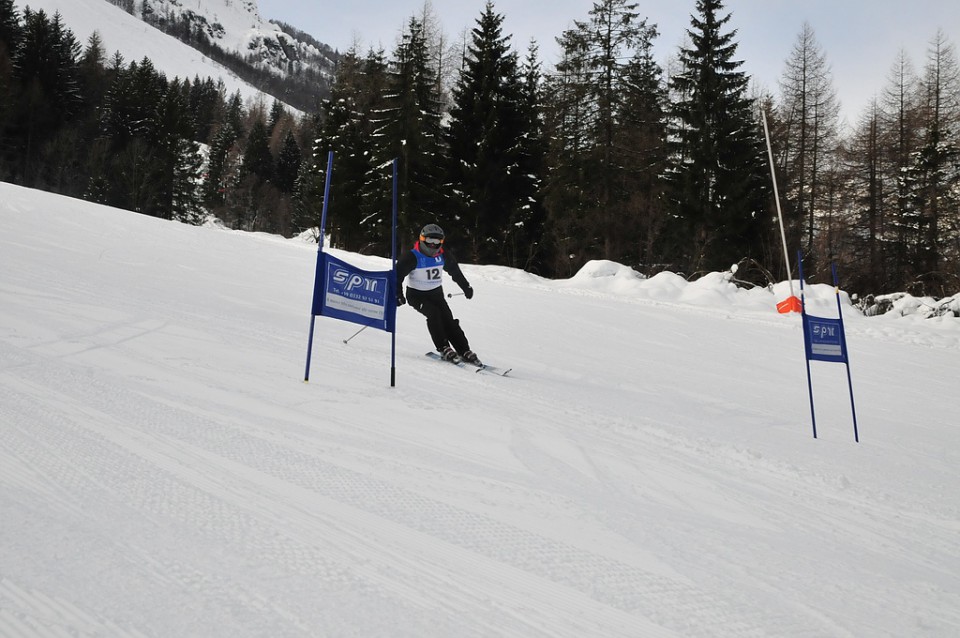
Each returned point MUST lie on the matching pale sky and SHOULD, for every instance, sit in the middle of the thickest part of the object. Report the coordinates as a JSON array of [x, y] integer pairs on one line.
[[860, 38]]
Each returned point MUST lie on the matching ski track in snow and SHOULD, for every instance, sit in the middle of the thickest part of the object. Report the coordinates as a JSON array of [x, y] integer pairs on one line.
[[164, 472], [146, 461]]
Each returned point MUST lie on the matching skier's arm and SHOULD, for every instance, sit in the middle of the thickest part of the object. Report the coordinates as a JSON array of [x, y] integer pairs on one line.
[[453, 268], [405, 266]]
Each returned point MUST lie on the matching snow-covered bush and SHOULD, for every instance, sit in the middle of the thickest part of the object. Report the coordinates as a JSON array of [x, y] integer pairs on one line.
[[903, 304]]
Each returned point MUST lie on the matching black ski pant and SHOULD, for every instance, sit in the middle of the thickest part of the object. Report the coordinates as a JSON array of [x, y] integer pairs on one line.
[[444, 329]]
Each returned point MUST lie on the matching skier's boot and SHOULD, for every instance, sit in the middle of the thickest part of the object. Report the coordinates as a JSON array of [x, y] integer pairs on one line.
[[449, 354], [471, 357]]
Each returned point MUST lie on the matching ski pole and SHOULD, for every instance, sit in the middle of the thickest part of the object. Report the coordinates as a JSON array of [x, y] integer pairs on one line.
[[347, 340], [454, 294]]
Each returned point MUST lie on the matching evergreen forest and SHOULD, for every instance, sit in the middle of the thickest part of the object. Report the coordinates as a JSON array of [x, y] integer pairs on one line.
[[608, 155]]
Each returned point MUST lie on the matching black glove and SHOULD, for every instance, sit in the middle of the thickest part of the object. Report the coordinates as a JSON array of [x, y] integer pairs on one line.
[[468, 292], [400, 298]]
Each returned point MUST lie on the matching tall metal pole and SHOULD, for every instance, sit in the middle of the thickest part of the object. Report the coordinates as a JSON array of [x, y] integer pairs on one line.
[[806, 358], [846, 354], [323, 225], [393, 258], [326, 198], [776, 195]]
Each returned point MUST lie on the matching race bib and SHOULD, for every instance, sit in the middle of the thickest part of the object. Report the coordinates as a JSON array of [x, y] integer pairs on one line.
[[428, 275]]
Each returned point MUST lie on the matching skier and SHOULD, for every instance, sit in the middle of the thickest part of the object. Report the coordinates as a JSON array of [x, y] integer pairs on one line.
[[424, 265]]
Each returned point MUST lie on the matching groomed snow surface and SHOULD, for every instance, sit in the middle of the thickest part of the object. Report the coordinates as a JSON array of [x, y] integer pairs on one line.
[[648, 470]]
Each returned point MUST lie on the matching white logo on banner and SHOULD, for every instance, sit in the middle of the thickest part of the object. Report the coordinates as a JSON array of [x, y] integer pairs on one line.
[[353, 292]]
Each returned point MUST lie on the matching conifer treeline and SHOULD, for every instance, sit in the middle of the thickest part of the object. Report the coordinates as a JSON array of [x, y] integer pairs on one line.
[[74, 122], [602, 157]]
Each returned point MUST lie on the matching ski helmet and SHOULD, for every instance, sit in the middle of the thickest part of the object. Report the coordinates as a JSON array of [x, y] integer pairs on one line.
[[431, 238], [431, 230]]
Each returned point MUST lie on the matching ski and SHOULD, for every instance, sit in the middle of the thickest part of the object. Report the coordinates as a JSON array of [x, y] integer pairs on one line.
[[500, 372]]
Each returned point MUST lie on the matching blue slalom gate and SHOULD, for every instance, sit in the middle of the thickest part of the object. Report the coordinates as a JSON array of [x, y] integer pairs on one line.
[[825, 340], [343, 291]]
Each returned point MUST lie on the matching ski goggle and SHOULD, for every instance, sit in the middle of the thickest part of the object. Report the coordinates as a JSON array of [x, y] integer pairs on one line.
[[432, 242]]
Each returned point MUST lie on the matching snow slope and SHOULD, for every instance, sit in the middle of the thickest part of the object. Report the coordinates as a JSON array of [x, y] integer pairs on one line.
[[648, 471], [238, 21], [135, 40]]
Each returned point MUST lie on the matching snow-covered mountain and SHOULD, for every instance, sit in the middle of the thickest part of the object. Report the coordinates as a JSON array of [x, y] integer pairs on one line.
[[236, 25], [232, 25], [648, 472]]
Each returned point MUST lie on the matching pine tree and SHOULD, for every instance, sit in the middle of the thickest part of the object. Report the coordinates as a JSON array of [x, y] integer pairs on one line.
[[234, 114], [484, 138], [810, 113], [592, 204], [613, 32], [376, 184], [217, 178], [901, 135], [409, 129], [134, 120], [717, 184], [288, 163], [10, 28], [354, 219], [178, 158], [46, 66], [308, 189], [257, 158], [642, 144], [131, 103], [248, 203], [223, 161], [344, 134], [185, 202], [865, 158], [526, 248], [567, 122], [67, 50], [205, 102], [93, 69], [133, 176], [276, 114], [10, 36], [934, 174]]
